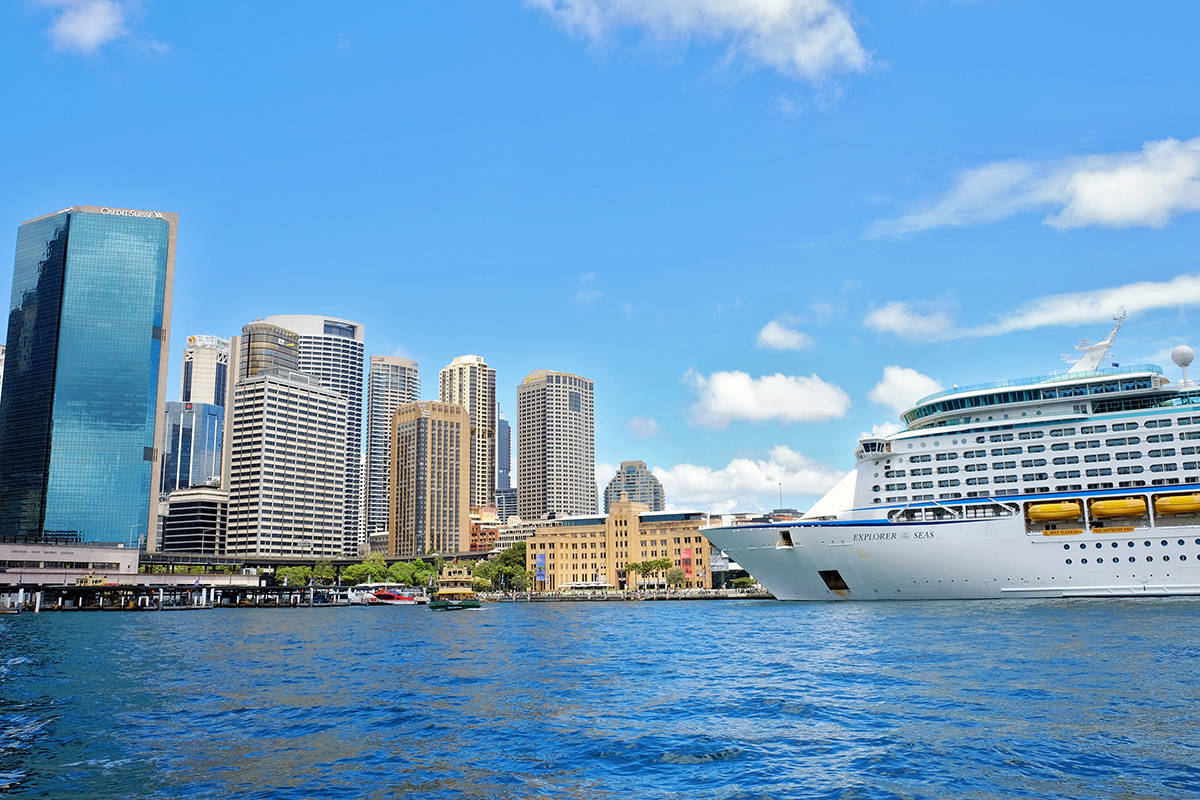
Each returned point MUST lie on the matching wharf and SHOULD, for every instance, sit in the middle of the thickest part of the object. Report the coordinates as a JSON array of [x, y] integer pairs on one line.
[[626, 597]]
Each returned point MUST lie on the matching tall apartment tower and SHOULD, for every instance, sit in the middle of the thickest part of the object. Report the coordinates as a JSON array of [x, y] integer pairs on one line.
[[205, 370], [503, 453], [638, 484], [331, 350], [391, 382], [431, 458], [287, 468], [556, 463], [471, 383], [86, 375]]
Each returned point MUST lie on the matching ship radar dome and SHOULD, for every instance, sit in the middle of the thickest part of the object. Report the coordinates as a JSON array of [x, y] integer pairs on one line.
[[1183, 355]]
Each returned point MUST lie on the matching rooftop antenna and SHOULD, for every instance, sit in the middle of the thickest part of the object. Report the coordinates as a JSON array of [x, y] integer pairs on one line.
[[1182, 356]]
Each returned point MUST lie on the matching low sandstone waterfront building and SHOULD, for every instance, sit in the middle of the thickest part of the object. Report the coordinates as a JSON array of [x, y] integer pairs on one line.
[[592, 552]]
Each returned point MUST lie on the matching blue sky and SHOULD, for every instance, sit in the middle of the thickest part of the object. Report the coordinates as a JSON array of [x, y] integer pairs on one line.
[[734, 215]]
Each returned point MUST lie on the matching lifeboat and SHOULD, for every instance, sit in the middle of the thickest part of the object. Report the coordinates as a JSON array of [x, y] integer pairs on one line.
[[1048, 512], [1177, 504], [1118, 507]]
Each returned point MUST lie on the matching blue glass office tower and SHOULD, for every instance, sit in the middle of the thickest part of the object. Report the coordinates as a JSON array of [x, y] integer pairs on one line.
[[192, 446], [85, 375]]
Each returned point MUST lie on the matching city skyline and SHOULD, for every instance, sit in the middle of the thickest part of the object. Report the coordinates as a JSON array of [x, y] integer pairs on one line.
[[798, 247]]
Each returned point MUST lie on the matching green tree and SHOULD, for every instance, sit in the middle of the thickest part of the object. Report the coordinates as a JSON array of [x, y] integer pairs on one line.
[[294, 576], [519, 581], [742, 583], [675, 577], [632, 570], [481, 585], [323, 571], [401, 573]]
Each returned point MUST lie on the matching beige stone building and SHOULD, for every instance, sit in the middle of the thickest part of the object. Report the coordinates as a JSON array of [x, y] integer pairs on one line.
[[430, 484], [592, 552]]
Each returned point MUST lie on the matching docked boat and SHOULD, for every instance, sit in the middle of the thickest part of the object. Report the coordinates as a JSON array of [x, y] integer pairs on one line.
[[365, 594], [454, 591], [1084, 482], [391, 598]]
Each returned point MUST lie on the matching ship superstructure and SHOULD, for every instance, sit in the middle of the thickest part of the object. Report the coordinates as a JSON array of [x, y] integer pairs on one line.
[[1081, 482]]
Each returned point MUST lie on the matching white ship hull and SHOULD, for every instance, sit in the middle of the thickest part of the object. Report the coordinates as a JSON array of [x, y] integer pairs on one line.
[[989, 558]]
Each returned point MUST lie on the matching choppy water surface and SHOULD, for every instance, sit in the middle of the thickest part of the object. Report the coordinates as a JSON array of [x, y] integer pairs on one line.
[[756, 700]]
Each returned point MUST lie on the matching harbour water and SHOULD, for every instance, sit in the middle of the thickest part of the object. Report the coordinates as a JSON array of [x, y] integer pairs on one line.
[[725, 699]]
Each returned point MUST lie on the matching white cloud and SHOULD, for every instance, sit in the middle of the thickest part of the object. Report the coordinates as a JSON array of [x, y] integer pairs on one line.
[[1097, 305], [585, 291], [909, 320], [883, 429], [1139, 188], [642, 427], [84, 26], [807, 39], [901, 387], [1070, 308], [727, 396], [747, 484], [776, 335]]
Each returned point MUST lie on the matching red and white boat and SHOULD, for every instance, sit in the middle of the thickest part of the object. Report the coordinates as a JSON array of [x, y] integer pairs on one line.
[[387, 597]]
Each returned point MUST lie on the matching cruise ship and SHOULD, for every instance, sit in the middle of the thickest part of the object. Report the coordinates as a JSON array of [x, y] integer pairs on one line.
[[1081, 483]]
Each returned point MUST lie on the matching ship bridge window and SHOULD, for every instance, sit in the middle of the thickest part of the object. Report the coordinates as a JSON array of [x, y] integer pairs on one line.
[[1161, 437], [1036, 448]]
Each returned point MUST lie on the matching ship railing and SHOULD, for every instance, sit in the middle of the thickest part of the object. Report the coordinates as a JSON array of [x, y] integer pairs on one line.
[[1052, 377]]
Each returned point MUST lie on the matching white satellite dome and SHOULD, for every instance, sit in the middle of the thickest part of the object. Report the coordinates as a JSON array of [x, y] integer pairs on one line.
[[1182, 355]]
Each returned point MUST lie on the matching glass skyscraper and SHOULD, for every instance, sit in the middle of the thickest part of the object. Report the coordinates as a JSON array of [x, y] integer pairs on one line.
[[85, 375], [192, 446]]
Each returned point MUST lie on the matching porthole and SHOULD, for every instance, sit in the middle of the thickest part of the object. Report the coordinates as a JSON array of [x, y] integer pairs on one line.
[[1083, 545], [1131, 544], [1180, 542], [1066, 547], [1068, 561], [1183, 558], [1083, 561], [1147, 543], [1131, 559], [1149, 558], [1164, 542], [1099, 560], [1114, 544], [1166, 558]]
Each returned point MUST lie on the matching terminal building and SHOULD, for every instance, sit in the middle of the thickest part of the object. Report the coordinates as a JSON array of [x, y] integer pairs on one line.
[[592, 552]]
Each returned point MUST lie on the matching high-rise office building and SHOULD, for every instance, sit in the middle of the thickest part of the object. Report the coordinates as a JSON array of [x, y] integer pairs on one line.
[[506, 503], [191, 447], [195, 521], [262, 346], [287, 467], [638, 485], [556, 464], [331, 350], [391, 382], [205, 370], [503, 453], [431, 457], [85, 377], [471, 383]]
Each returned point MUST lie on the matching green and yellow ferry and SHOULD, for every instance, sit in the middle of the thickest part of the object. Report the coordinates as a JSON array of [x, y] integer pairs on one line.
[[454, 591]]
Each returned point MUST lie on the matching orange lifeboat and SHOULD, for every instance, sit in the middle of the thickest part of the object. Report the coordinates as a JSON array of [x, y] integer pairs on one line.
[[1118, 507], [1049, 512], [1177, 504]]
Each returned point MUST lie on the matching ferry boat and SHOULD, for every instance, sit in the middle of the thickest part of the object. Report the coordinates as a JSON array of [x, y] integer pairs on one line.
[[454, 591], [391, 598], [1080, 483]]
